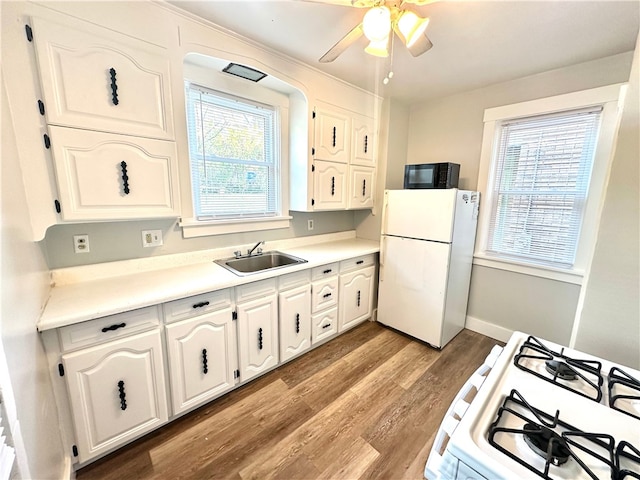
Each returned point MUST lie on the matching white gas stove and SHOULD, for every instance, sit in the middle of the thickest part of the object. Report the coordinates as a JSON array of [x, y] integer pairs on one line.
[[535, 409]]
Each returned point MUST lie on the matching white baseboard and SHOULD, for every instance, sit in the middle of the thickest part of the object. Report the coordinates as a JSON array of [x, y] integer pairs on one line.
[[489, 329]]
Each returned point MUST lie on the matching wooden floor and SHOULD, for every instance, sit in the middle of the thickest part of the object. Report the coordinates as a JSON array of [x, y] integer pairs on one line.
[[365, 405]]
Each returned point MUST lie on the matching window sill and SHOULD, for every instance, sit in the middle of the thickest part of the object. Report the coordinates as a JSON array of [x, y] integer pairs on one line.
[[192, 228], [558, 274]]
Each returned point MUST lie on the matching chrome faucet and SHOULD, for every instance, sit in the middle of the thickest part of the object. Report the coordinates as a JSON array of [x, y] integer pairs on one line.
[[250, 251]]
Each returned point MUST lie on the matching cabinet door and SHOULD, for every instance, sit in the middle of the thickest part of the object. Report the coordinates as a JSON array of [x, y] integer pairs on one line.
[[361, 187], [324, 325], [331, 136], [97, 79], [363, 141], [295, 321], [329, 186], [103, 176], [324, 294], [356, 294], [117, 392], [202, 358], [257, 336]]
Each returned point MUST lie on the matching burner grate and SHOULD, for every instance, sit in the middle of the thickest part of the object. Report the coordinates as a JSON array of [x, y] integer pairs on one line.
[[627, 461], [624, 392], [561, 443], [562, 369]]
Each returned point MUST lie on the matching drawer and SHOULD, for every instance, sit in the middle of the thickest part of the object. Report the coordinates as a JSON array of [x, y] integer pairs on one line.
[[196, 305], [324, 294], [108, 328], [251, 291], [293, 280], [357, 262], [324, 325], [324, 271]]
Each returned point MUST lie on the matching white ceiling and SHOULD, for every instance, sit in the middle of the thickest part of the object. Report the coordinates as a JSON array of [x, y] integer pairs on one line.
[[476, 43]]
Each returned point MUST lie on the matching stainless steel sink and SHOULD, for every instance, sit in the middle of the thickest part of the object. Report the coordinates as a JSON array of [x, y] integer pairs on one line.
[[259, 263]]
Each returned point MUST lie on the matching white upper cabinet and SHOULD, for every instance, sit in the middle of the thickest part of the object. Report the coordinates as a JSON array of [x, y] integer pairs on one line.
[[330, 185], [361, 183], [364, 141], [103, 176], [332, 136], [97, 79]]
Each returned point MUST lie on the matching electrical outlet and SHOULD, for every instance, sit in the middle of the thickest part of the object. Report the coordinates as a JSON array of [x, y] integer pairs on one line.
[[151, 238], [81, 243], [310, 224]]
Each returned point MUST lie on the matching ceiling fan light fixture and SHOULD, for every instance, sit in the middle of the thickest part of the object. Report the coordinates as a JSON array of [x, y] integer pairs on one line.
[[411, 27], [377, 24], [378, 48]]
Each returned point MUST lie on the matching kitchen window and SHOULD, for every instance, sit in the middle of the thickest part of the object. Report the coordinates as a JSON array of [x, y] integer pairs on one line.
[[544, 165]]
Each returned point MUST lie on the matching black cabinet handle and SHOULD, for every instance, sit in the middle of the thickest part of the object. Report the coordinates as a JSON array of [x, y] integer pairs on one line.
[[121, 394], [205, 369], [259, 339], [366, 143], [333, 186], [327, 271], [114, 86], [114, 327], [297, 323], [125, 177], [359, 262], [335, 130], [326, 326], [326, 295], [364, 187], [200, 305], [358, 298]]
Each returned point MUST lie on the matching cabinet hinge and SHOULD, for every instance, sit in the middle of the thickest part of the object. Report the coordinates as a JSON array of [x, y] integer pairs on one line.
[[47, 141], [313, 168], [61, 370], [313, 150], [75, 450], [313, 202], [29, 32], [56, 204], [41, 107], [236, 374], [313, 115], [234, 315]]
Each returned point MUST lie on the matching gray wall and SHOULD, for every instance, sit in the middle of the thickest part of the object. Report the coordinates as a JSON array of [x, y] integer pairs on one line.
[[114, 241], [25, 288], [609, 322], [450, 130]]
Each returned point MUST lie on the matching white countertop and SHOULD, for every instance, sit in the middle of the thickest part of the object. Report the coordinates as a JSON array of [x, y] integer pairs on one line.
[[86, 299]]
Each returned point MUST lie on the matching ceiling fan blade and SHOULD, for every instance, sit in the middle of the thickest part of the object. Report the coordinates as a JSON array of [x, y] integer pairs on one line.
[[344, 43], [346, 3], [420, 2]]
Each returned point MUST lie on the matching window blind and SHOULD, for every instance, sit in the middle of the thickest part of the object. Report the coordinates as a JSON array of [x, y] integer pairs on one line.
[[232, 148], [541, 178]]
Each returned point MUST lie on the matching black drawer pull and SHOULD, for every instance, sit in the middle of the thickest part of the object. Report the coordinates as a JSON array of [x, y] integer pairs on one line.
[[359, 262], [114, 327], [114, 86], [326, 326], [200, 305], [259, 339], [125, 178], [205, 369], [358, 298], [327, 271], [335, 131], [326, 295], [121, 394], [297, 323]]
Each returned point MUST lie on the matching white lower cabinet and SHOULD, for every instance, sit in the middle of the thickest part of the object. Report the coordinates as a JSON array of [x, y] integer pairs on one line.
[[257, 328], [202, 358], [324, 325], [356, 295], [117, 392], [295, 321]]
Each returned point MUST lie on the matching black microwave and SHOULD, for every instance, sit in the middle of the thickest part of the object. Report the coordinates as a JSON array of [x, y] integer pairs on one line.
[[431, 175]]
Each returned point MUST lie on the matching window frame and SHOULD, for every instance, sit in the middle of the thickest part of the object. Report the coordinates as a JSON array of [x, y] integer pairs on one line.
[[608, 98], [227, 85]]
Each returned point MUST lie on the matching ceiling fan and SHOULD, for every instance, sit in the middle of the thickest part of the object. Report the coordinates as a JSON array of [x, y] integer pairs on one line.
[[381, 18]]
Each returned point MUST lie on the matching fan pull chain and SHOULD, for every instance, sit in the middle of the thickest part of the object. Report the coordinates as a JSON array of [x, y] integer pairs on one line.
[[390, 74]]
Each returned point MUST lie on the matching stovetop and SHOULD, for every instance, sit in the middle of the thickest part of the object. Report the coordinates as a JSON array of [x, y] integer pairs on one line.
[[546, 411]]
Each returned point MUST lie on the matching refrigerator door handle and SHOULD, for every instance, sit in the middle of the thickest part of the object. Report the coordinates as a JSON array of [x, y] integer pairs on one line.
[[385, 212], [381, 260]]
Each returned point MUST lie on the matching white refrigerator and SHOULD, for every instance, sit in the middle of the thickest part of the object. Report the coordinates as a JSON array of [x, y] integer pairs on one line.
[[426, 253]]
